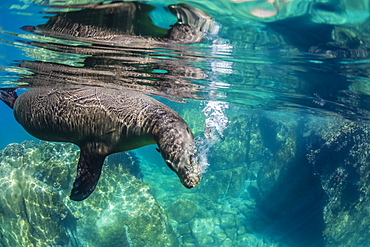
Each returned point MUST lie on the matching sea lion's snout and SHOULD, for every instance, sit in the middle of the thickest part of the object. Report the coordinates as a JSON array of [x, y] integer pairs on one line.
[[189, 174], [187, 169], [191, 181]]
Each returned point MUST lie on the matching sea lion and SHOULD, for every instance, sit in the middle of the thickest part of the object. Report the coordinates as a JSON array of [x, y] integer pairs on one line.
[[104, 121]]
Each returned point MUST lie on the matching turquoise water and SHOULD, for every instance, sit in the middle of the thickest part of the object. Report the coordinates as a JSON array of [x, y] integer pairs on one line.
[[276, 94]]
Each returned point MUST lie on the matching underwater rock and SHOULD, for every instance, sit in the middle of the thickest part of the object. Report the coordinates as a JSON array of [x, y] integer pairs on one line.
[[315, 189], [35, 209], [183, 210], [243, 139], [279, 136], [225, 183], [202, 228], [128, 161], [47, 162], [291, 198], [123, 210], [131, 217], [345, 181], [227, 243], [227, 221], [219, 235], [31, 212], [183, 229], [206, 241], [14, 155], [241, 230], [257, 240]]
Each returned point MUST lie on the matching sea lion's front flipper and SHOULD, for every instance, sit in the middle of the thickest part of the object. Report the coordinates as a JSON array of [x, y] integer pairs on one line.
[[88, 173], [8, 96]]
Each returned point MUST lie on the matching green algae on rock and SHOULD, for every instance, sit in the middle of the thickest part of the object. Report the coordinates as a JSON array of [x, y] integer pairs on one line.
[[32, 213], [122, 212], [48, 162], [35, 209]]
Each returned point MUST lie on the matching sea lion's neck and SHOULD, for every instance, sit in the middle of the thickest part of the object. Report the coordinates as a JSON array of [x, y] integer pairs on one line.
[[161, 124], [169, 134]]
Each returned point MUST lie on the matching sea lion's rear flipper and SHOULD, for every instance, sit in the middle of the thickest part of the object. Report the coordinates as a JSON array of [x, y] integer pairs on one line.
[[8, 96], [88, 173]]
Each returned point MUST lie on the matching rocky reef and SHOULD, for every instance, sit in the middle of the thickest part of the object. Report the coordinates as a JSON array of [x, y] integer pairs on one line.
[[344, 177], [32, 211], [35, 209]]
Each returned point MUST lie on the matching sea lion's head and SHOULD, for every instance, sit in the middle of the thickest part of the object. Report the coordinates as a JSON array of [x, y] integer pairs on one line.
[[177, 147]]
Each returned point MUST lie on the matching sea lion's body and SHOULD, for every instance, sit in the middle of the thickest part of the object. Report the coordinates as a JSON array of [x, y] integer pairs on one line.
[[105, 121], [80, 115]]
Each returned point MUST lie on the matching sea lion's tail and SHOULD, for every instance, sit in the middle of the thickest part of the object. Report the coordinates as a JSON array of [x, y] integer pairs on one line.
[[8, 96]]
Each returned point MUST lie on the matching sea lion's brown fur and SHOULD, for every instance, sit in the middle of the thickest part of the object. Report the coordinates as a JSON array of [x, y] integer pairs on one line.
[[104, 121]]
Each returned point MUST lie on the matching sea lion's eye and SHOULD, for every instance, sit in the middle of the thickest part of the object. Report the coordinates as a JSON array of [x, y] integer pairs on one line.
[[188, 130], [170, 165]]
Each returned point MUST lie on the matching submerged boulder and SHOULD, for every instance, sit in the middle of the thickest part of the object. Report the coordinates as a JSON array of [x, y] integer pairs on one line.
[[345, 180], [31, 212], [35, 210], [183, 210], [122, 212]]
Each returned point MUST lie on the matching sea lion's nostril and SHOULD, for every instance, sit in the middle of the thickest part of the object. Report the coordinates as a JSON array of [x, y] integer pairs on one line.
[[189, 186]]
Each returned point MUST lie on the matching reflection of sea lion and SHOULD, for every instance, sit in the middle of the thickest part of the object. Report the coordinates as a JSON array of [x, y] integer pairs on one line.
[[105, 121], [126, 23], [126, 48]]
